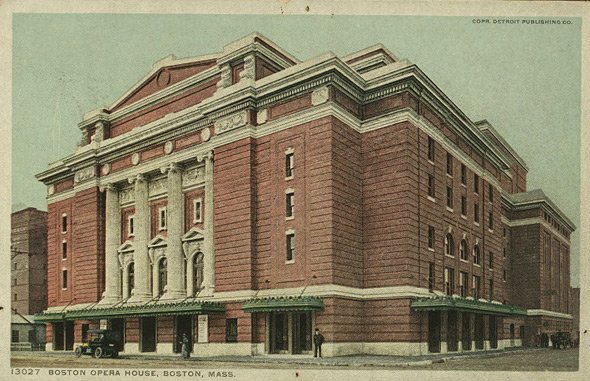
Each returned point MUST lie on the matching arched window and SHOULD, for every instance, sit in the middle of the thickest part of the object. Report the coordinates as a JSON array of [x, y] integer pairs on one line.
[[130, 278], [197, 272], [463, 250], [476, 255], [162, 276], [449, 245]]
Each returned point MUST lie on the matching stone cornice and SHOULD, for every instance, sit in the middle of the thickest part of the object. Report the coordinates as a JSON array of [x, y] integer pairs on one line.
[[544, 203]]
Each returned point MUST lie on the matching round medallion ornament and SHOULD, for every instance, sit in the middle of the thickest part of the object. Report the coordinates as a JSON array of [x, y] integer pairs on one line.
[[135, 158], [205, 134], [51, 189], [168, 147], [163, 78], [105, 169]]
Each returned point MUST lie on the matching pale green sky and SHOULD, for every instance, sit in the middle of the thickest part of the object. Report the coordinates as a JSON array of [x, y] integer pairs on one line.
[[524, 79]]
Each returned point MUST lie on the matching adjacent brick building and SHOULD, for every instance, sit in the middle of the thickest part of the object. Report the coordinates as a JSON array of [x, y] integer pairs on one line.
[[245, 197], [28, 261]]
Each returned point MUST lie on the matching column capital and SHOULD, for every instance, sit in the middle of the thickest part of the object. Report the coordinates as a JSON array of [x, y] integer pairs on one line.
[[138, 178], [172, 167], [108, 187], [205, 156]]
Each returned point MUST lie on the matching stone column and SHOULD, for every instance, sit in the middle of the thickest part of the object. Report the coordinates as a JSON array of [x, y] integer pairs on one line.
[[209, 251], [112, 292], [174, 254], [143, 274]]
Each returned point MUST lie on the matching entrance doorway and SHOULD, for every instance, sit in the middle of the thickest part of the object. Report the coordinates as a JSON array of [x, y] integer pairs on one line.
[[58, 336], [147, 334], [512, 335], [183, 325], [69, 335], [290, 332], [452, 332], [466, 331], [493, 332], [118, 325], [479, 330], [434, 331]]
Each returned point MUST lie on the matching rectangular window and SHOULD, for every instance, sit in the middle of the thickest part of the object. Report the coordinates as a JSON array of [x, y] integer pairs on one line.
[[504, 275], [289, 164], [130, 226], [431, 237], [64, 279], [475, 183], [490, 192], [64, 250], [14, 338], [290, 246], [504, 249], [431, 276], [491, 260], [449, 164], [491, 289], [476, 213], [197, 211], [450, 197], [463, 174], [15, 297], [14, 266], [463, 205], [290, 204], [463, 284], [64, 223], [504, 233], [162, 218], [449, 280], [14, 282], [430, 149], [431, 186], [476, 287], [491, 220], [231, 330], [32, 337]]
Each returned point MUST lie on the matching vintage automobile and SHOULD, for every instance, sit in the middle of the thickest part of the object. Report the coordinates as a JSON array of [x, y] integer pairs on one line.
[[103, 342]]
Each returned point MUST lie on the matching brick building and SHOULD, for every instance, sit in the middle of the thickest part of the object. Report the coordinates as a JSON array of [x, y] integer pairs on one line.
[[246, 197], [28, 257]]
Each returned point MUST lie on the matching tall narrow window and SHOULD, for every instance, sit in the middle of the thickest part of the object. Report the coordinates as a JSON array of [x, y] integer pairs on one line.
[[491, 221], [463, 174], [491, 260], [130, 278], [463, 250], [476, 255], [476, 287], [463, 205], [475, 183], [198, 211], [290, 246], [162, 275], [431, 276], [449, 280], [463, 284], [290, 204], [490, 192], [449, 164], [231, 330], [64, 249], [64, 223], [131, 226], [162, 219], [430, 149], [198, 272], [431, 186], [449, 245], [431, 237], [476, 212], [64, 279], [504, 275], [491, 289], [289, 164], [450, 197]]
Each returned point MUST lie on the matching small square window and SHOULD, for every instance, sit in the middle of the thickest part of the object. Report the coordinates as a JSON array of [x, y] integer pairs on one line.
[[162, 218], [290, 246], [197, 211]]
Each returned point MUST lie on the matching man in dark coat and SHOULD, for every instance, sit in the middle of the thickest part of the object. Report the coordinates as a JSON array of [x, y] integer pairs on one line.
[[318, 340], [185, 350]]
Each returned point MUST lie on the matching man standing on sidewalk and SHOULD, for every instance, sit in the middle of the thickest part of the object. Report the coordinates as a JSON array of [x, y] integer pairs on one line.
[[318, 340]]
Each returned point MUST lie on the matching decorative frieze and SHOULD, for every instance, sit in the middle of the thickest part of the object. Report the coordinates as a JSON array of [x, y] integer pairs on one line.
[[262, 116], [225, 80], [193, 176], [249, 72], [230, 123], [157, 187], [126, 195], [320, 96], [84, 174]]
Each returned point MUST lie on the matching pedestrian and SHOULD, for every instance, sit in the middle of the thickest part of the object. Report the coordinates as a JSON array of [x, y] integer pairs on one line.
[[185, 352], [318, 340]]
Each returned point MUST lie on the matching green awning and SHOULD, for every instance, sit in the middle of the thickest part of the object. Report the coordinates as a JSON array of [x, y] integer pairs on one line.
[[284, 303], [445, 303], [153, 309]]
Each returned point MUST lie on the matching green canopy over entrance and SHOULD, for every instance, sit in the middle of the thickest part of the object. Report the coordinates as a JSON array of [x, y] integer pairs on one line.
[[461, 304], [284, 303]]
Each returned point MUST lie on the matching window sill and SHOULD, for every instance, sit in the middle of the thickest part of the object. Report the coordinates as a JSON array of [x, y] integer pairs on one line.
[[476, 265], [490, 230], [450, 176], [290, 262], [431, 249], [431, 161], [450, 209], [289, 218], [464, 185], [197, 221], [162, 229], [449, 256], [476, 223], [289, 178], [464, 260], [463, 216], [431, 198]]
